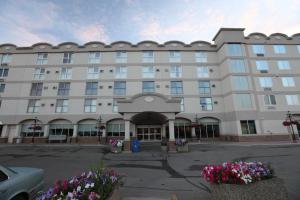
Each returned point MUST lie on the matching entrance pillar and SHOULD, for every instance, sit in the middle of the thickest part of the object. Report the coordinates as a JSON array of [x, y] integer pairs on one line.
[[46, 130], [163, 131], [171, 143], [4, 132], [194, 137], [127, 136], [75, 132]]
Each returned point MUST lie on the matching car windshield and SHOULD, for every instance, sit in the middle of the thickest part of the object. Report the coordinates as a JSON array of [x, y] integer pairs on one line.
[[8, 169]]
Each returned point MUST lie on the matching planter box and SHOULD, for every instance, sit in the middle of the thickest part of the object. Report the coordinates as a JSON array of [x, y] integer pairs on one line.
[[184, 148], [272, 189], [115, 149], [115, 195]]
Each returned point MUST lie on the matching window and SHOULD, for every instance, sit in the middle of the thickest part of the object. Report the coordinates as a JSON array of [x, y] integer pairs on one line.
[[148, 72], [235, 50], [237, 66], [262, 65], [174, 56], [36, 89], [201, 56], [288, 81], [176, 72], [42, 59], [2, 87], [121, 72], [91, 88], [66, 73], [63, 89], [39, 74], [292, 99], [248, 127], [182, 104], [148, 86], [279, 49], [90, 105], [204, 87], [206, 103], [116, 128], [33, 106], [6, 58], [62, 105], [88, 130], [120, 88], [202, 72], [176, 87], [3, 72], [240, 82], [298, 48], [115, 106], [93, 73], [3, 176], [243, 101], [121, 57], [270, 99], [258, 49], [94, 57], [265, 82], [283, 65], [148, 56], [68, 58]]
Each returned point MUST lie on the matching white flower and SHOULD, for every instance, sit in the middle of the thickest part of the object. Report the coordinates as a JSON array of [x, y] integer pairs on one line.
[[87, 185], [78, 188], [92, 185]]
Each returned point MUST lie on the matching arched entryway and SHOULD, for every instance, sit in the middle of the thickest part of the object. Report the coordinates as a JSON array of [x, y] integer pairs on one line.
[[61, 128], [32, 128], [208, 128]]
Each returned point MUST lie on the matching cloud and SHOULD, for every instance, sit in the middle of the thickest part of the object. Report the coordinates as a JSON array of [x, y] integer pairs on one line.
[[93, 32]]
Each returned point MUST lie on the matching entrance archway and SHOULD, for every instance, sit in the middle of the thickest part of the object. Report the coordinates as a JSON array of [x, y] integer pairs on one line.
[[209, 128]]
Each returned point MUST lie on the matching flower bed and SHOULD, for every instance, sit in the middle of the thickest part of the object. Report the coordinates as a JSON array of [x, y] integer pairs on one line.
[[181, 145], [116, 145]]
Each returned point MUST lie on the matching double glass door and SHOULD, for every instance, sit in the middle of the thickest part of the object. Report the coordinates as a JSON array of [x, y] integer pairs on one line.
[[152, 133]]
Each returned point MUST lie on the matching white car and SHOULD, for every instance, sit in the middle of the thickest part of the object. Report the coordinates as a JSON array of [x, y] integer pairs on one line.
[[20, 183]]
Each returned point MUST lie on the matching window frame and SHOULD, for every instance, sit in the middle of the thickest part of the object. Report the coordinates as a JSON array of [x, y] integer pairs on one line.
[[38, 74], [148, 89], [62, 107], [42, 59], [63, 91], [202, 72], [270, 99], [36, 89], [288, 81], [120, 88], [33, 105], [279, 49], [201, 56], [94, 59], [176, 71], [68, 57], [283, 65], [265, 84], [148, 58], [249, 132], [261, 65], [258, 49], [147, 73], [120, 72], [93, 72], [201, 88], [93, 90], [206, 105], [174, 56], [92, 107], [179, 90], [65, 73]]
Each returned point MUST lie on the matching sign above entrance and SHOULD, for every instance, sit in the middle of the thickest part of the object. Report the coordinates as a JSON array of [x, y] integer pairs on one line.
[[149, 99]]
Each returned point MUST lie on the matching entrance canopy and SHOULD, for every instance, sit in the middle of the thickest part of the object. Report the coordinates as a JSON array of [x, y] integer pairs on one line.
[[149, 118]]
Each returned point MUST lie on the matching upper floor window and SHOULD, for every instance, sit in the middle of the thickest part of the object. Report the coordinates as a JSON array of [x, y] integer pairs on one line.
[[201, 56], [39, 74], [206, 103], [283, 64], [288, 81], [270, 99], [202, 72], [148, 72], [121, 57], [6, 58], [243, 101], [90, 105], [3, 72], [174, 56], [148, 56], [240, 82], [62, 105], [176, 87], [42, 59], [94, 57], [258, 49], [235, 50], [91, 88], [120, 88], [36, 89], [176, 72], [68, 58], [248, 127], [148, 86], [204, 87], [33, 106], [292, 99], [237, 66], [66, 73], [298, 48], [182, 104], [2, 87], [279, 49], [262, 65], [63, 89], [265, 82], [121, 72], [93, 73]]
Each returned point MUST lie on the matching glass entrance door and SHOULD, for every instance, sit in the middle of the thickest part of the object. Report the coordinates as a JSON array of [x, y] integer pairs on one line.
[[152, 133]]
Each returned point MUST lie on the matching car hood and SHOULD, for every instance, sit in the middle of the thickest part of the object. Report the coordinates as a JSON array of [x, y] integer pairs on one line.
[[27, 170]]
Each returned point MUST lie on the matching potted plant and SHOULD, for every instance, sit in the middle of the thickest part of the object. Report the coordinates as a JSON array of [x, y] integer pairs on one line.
[[244, 180], [181, 145], [116, 145]]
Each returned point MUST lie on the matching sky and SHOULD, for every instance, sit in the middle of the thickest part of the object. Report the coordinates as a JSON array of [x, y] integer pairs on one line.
[[26, 22]]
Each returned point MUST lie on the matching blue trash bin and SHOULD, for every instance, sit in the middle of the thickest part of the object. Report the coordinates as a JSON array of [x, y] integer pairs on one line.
[[135, 146]]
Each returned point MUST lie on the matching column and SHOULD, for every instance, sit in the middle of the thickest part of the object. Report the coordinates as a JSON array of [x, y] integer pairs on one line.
[[171, 143], [194, 137], [133, 130], [46, 130], [103, 137], [16, 138], [104, 133], [4, 133], [163, 131], [74, 137], [127, 136]]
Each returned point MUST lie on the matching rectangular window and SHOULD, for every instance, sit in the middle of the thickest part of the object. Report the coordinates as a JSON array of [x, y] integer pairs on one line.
[[36, 89], [63, 89], [270, 99], [235, 50], [279, 49], [298, 48], [120, 88], [265, 82], [42, 59], [115, 106], [262, 65], [258, 49], [204, 88], [176, 87], [202, 72], [33, 106], [148, 56], [206, 103], [248, 127], [148, 72], [94, 57], [176, 72], [148, 86], [283, 64], [288, 81], [240, 82], [39, 74], [90, 105], [62, 105], [91, 88], [243, 101], [3, 72], [292, 99], [201, 57], [68, 58], [6, 58], [66, 73], [93, 73], [237, 66], [121, 72], [121, 57], [2, 87], [174, 56]]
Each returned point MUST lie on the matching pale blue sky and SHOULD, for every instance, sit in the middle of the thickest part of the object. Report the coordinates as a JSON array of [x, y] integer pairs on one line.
[[25, 22]]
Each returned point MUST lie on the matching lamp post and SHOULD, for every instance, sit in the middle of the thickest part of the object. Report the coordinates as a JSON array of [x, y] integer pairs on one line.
[[289, 122], [34, 127], [99, 127]]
